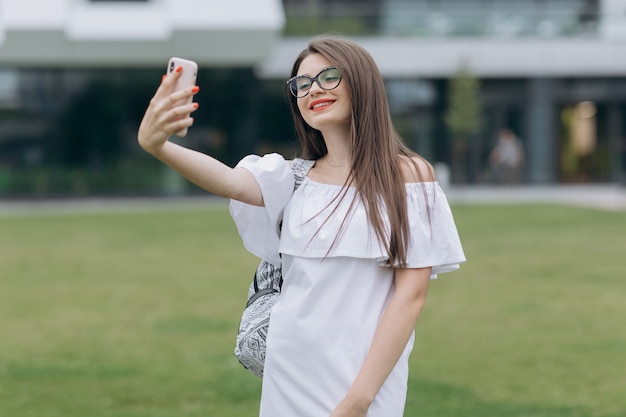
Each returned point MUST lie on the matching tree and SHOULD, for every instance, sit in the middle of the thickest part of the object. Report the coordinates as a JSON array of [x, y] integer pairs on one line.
[[462, 118]]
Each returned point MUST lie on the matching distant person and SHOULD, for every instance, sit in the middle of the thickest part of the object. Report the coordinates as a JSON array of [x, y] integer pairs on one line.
[[507, 160], [361, 237]]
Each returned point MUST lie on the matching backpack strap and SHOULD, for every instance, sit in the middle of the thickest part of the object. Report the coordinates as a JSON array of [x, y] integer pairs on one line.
[[300, 169]]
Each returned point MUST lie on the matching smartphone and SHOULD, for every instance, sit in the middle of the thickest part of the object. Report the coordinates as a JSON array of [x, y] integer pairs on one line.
[[186, 80]]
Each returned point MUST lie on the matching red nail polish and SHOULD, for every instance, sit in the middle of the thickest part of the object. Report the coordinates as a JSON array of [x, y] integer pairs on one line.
[[195, 105], [195, 89], [179, 69]]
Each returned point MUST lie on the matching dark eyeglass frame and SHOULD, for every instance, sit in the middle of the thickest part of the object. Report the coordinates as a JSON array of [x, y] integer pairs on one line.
[[291, 83]]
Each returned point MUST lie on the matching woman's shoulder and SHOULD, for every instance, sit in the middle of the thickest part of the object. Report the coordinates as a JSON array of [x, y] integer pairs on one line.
[[416, 169]]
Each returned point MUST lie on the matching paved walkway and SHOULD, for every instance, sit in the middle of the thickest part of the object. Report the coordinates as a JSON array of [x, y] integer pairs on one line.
[[605, 197], [98, 205]]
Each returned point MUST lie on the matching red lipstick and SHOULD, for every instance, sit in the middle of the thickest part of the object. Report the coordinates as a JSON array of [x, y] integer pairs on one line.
[[320, 101]]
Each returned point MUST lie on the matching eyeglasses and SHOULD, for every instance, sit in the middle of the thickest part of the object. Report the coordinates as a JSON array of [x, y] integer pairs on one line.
[[328, 79]]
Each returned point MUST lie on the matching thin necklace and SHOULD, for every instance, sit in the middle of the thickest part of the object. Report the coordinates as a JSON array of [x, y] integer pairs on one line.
[[326, 159]]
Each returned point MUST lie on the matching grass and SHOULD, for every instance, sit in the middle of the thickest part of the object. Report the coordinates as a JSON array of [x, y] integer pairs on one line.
[[135, 314]]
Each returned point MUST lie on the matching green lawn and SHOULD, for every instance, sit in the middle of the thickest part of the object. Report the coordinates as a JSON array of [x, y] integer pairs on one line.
[[135, 314]]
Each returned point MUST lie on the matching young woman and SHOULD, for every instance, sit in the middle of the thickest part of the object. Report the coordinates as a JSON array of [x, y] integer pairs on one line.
[[361, 237]]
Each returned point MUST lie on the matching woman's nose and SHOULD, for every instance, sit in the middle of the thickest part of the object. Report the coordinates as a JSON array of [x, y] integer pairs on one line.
[[315, 87]]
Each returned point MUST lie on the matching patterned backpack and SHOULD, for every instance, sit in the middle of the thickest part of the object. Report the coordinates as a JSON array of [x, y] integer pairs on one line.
[[263, 293]]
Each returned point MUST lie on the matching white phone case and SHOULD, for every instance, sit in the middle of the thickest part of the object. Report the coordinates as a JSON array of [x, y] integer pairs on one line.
[[187, 80]]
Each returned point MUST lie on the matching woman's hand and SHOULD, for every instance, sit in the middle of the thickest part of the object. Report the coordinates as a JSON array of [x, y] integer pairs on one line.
[[164, 117]]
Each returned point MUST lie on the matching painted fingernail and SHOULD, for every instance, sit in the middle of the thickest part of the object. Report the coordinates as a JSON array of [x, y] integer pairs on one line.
[[195, 89], [195, 105], [179, 69]]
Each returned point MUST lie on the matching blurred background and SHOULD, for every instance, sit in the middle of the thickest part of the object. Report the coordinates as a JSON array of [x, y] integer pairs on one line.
[[491, 91]]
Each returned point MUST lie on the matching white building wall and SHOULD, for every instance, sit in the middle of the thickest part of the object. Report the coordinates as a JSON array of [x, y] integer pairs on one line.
[[487, 58], [84, 33], [613, 25]]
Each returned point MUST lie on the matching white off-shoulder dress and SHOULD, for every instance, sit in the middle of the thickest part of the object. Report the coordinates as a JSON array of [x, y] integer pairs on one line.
[[323, 325]]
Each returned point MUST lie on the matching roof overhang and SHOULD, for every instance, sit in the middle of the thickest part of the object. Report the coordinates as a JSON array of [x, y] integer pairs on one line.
[[486, 57], [80, 33]]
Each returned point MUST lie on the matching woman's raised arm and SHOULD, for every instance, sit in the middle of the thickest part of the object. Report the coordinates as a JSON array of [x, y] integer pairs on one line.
[[162, 119]]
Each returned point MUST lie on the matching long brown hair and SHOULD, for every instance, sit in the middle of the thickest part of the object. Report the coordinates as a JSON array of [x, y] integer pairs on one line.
[[377, 149]]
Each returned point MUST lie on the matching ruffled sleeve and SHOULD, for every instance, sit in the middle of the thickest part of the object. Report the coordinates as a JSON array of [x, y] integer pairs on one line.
[[318, 224], [259, 227], [434, 239]]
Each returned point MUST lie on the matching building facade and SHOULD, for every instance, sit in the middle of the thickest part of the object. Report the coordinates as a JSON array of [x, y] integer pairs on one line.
[[539, 62], [76, 75], [552, 71]]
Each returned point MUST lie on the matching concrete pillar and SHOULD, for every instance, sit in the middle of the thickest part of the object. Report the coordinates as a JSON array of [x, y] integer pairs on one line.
[[541, 141], [615, 129]]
